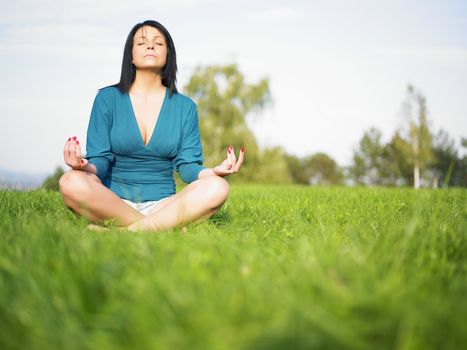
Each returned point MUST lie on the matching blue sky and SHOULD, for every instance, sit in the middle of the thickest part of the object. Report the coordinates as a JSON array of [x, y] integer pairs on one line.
[[336, 68]]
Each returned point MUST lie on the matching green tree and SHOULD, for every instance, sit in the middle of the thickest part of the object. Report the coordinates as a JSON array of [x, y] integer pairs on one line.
[[225, 101], [367, 159], [395, 168], [417, 133], [447, 167], [51, 182], [323, 170], [274, 169], [463, 165], [299, 173]]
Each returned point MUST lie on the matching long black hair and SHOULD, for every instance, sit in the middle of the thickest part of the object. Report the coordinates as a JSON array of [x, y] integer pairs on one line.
[[169, 72]]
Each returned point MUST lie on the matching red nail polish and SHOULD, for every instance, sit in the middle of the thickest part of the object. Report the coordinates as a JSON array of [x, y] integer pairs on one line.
[[230, 150], [74, 138], [69, 138], [77, 142], [82, 161], [243, 150]]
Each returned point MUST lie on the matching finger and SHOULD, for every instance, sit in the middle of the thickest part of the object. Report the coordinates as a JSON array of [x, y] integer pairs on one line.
[[224, 164], [222, 171], [232, 154], [78, 151], [66, 150], [229, 160], [72, 151], [240, 160]]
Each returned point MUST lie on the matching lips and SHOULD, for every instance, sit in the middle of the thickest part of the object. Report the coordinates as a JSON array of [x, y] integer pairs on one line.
[[150, 56]]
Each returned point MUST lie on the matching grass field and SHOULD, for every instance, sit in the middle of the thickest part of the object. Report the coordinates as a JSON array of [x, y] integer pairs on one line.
[[277, 268]]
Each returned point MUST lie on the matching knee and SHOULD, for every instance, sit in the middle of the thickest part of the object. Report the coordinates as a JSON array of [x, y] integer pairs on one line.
[[73, 186], [216, 191]]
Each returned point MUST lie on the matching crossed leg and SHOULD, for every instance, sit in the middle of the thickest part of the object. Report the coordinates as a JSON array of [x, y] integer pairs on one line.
[[86, 195]]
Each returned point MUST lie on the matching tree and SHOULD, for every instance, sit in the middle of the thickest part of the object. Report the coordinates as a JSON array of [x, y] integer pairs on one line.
[[365, 168], [297, 169], [316, 169], [51, 182], [274, 169], [417, 132], [445, 161], [463, 165], [323, 170], [395, 168], [224, 102]]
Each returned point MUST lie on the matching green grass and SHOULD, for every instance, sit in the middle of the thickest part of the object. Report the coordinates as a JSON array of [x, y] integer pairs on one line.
[[277, 268]]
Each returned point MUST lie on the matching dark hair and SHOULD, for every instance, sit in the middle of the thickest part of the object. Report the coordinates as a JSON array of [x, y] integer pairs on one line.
[[169, 72]]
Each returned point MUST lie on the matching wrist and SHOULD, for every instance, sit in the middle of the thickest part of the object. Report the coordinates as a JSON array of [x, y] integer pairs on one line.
[[90, 168]]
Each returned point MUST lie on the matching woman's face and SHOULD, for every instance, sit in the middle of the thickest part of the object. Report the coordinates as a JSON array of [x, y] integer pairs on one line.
[[149, 49]]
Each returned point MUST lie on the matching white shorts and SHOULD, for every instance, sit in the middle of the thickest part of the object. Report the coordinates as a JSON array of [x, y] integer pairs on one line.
[[143, 207]]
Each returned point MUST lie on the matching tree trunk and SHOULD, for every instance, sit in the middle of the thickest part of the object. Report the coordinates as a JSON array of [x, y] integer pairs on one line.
[[416, 175]]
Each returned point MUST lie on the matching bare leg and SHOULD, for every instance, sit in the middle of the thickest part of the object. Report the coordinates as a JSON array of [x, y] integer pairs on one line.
[[85, 194], [196, 202]]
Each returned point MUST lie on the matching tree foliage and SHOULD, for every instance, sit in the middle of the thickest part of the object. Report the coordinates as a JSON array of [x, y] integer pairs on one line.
[[324, 170], [417, 133], [225, 101], [412, 157], [51, 182], [367, 159]]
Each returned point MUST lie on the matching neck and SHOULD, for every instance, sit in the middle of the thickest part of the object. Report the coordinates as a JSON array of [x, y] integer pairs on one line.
[[147, 82]]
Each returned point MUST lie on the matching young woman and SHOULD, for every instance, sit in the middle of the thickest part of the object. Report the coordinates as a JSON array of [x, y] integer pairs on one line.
[[139, 131]]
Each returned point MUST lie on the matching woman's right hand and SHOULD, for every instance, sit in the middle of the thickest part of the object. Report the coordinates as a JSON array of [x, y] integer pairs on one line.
[[72, 154]]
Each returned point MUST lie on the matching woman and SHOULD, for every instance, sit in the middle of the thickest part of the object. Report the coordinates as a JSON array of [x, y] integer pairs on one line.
[[140, 130]]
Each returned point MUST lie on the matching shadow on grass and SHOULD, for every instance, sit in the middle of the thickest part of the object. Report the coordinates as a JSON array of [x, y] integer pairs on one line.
[[220, 219]]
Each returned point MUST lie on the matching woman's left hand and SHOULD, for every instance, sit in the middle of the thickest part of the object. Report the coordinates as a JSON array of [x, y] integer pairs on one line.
[[230, 165]]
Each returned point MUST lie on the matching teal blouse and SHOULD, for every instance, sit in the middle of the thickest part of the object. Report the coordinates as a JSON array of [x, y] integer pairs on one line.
[[129, 168]]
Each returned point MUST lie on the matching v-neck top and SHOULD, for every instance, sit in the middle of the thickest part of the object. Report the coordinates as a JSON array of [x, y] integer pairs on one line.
[[129, 168], [134, 115]]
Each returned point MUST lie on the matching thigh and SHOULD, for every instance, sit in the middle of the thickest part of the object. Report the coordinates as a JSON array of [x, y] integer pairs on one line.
[[194, 193], [86, 194], [173, 198]]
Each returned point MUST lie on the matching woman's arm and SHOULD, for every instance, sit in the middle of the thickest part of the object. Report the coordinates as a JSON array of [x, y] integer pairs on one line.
[[98, 149], [90, 168], [189, 159]]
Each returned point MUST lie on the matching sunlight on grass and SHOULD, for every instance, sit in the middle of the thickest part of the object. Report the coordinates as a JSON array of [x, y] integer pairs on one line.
[[279, 267]]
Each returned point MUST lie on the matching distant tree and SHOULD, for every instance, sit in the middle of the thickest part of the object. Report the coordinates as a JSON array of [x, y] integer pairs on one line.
[[417, 132], [463, 164], [299, 173], [323, 170], [274, 168], [395, 168], [225, 101], [316, 169], [446, 163], [51, 182], [367, 159]]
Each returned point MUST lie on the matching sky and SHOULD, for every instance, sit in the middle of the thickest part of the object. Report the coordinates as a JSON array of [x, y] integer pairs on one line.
[[336, 67]]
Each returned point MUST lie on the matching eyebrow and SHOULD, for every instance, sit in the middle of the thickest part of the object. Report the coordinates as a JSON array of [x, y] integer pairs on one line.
[[144, 36]]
